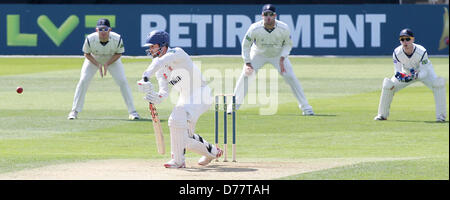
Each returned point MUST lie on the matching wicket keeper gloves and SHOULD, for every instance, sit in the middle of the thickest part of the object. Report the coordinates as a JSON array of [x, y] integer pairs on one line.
[[414, 73], [153, 97], [402, 77]]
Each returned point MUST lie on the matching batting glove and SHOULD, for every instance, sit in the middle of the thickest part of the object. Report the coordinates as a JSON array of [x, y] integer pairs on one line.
[[145, 86], [153, 98]]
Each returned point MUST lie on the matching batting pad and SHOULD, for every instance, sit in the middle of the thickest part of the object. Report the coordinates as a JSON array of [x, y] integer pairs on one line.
[[387, 94], [178, 118], [439, 98], [177, 143], [178, 126], [199, 145]]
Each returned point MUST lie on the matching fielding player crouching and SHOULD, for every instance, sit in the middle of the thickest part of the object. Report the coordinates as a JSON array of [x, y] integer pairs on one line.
[[174, 66], [102, 50], [411, 64], [268, 41]]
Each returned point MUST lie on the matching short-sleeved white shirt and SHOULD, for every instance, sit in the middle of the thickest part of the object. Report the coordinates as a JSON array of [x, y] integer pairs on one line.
[[403, 63], [102, 53]]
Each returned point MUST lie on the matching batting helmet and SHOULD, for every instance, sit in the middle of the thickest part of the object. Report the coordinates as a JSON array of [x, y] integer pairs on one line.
[[157, 37]]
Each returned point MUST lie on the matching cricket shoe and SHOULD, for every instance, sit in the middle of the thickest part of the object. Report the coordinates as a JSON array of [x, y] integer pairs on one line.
[[72, 115], [134, 116], [379, 118], [308, 112], [173, 164], [205, 160], [441, 118]]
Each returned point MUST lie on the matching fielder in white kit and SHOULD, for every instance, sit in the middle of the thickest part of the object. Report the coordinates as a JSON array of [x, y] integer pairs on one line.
[[411, 64], [173, 66], [268, 41], [103, 50]]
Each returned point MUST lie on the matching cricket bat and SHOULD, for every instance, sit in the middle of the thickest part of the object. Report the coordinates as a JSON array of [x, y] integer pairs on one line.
[[158, 130]]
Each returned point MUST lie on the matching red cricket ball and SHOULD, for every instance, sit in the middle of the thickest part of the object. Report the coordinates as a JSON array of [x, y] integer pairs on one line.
[[19, 90]]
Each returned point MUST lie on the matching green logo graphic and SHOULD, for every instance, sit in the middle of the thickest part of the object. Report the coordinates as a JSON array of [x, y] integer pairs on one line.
[[13, 35], [58, 35], [90, 21], [248, 38]]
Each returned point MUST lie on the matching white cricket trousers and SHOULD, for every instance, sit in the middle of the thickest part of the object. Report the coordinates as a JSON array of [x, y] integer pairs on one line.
[[257, 62], [88, 71], [429, 78], [182, 123]]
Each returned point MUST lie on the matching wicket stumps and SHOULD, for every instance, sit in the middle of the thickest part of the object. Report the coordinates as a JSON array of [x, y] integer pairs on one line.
[[225, 124]]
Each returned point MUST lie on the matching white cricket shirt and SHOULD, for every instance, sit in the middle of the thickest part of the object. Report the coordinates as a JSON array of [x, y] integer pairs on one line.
[[102, 53], [177, 69], [403, 63], [259, 41]]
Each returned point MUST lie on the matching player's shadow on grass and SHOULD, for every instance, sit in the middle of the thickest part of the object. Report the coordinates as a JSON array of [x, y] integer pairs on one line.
[[301, 115], [417, 121], [321, 115], [220, 168], [295, 114], [146, 120], [139, 120]]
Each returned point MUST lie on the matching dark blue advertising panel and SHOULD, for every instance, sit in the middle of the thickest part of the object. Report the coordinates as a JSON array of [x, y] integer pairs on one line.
[[219, 29]]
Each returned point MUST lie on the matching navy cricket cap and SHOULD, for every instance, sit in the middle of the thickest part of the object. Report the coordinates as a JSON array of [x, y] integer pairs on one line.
[[103, 23], [268, 8], [406, 32]]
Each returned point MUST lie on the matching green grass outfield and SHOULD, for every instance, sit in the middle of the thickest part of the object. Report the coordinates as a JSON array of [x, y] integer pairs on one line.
[[344, 92]]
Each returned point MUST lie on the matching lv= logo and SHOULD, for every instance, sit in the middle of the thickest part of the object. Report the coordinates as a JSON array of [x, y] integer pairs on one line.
[[58, 35]]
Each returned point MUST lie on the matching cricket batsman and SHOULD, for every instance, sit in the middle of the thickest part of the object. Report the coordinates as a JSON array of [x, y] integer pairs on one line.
[[411, 64], [173, 66], [268, 41]]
